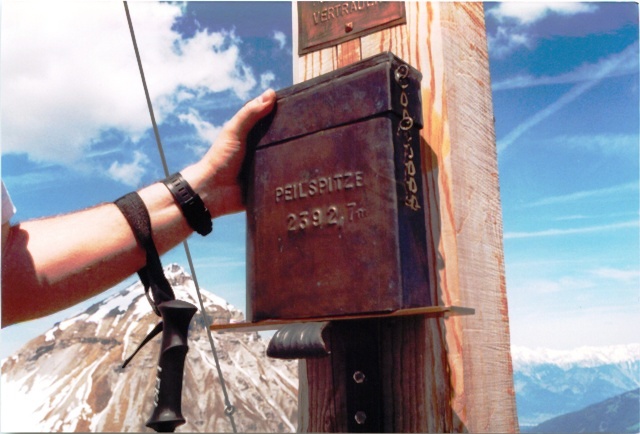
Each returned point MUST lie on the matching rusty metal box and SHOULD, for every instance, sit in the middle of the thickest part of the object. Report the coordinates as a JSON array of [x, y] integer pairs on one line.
[[335, 208]]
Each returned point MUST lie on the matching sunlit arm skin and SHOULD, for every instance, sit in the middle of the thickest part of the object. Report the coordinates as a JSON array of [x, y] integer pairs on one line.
[[52, 263]]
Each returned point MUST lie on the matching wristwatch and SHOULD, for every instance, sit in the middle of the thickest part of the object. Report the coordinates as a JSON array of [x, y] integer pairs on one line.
[[195, 212]]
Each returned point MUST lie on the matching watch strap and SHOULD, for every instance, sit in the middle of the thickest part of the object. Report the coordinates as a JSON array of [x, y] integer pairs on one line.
[[193, 208]]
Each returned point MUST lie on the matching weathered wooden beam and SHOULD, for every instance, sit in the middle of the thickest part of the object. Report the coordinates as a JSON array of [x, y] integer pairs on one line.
[[440, 374]]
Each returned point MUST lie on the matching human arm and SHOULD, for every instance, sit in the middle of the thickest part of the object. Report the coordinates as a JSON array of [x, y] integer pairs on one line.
[[53, 263]]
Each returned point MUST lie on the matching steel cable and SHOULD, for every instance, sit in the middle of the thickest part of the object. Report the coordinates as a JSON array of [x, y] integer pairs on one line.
[[229, 408]]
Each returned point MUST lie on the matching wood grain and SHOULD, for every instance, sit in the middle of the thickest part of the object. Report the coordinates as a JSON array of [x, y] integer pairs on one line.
[[443, 374]]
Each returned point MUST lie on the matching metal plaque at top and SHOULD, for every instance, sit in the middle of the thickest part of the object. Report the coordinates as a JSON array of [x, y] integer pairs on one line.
[[323, 24]]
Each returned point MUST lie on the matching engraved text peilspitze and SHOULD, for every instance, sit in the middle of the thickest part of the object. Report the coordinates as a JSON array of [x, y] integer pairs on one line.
[[320, 185]]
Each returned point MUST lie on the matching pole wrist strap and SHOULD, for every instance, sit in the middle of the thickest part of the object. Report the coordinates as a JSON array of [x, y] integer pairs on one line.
[[151, 275]]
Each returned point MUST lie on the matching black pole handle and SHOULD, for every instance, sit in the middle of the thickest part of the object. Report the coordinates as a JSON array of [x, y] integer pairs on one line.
[[167, 413]]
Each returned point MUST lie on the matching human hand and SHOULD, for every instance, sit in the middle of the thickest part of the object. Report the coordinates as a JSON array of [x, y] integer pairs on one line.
[[215, 176]]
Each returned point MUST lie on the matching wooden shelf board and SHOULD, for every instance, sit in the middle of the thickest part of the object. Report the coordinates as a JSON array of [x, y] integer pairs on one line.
[[274, 324]]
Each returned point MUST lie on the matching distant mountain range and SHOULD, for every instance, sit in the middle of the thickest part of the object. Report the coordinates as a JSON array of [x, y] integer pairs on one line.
[[551, 383], [70, 378], [620, 414]]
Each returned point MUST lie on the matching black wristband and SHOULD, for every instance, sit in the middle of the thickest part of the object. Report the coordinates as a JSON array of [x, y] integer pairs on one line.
[[191, 204]]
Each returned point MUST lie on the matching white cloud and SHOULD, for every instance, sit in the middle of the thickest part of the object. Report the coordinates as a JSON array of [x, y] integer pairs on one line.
[[206, 131], [605, 68], [129, 173], [602, 278], [280, 38], [571, 231], [626, 63], [618, 275], [625, 145], [506, 41], [550, 286], [543, 114], [569, 309], [530, 12], [573, 325], [515, 19], [266, 79], [69, 73], [587, 194]]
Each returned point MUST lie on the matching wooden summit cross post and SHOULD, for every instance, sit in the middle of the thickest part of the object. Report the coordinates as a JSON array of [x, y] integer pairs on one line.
[[438, 374]]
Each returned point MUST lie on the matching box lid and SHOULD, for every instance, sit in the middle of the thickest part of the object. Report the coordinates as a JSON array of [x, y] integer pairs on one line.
[[349, 94]]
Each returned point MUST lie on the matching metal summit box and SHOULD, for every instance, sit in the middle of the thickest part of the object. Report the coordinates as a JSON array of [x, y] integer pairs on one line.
[[335, 208]]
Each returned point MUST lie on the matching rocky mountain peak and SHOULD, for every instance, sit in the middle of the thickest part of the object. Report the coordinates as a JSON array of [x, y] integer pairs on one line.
[[70, 378]]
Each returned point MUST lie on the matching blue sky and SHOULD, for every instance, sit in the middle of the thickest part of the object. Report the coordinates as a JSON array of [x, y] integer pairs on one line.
[[565, 92], [75, 132]]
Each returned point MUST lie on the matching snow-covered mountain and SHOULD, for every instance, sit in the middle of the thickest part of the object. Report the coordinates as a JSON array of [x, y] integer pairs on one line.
[[70, 378], [550, 383], [583, 356]]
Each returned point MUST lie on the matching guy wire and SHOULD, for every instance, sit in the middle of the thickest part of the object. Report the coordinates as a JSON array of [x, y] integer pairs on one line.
[[229, 408]]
